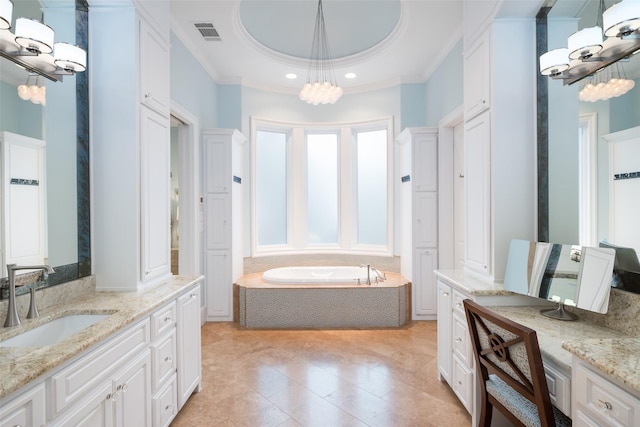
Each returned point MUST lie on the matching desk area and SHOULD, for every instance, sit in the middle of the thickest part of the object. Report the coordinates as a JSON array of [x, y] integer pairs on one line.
[[592, 364]]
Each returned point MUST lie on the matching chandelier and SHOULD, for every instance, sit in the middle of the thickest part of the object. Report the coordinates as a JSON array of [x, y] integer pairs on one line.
[[321, 86], [606, 84], [589, 51]]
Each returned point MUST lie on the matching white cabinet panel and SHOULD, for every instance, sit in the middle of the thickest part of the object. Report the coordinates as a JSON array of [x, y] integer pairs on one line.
[[444, 331], [217, 155], [477, 152], [424, 288], [27, 409], [165, 405], [163, 360], [154, 69], [425, 153], [217, 222], [155, 192], [425, 216], [189, 368], [463, 383], [132, 389], [477, 77], [219, 286]]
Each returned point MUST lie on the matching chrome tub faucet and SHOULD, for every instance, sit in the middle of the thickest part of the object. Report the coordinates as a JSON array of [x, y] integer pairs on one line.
[[12, 312]]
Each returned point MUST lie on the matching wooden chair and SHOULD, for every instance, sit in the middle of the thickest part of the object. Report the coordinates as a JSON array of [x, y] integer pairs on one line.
[[510, 371]]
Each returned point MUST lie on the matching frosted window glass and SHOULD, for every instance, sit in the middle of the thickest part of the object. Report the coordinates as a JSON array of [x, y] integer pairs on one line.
[[271, 188], [372, 187], [322, 188]]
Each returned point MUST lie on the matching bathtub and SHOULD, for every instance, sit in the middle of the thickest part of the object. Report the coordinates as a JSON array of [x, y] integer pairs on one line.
[[321, 275], [321, 297]]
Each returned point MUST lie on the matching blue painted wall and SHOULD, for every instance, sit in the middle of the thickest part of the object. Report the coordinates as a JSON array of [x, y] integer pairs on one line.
[[230, 106], [18, 116], [444, 88], [412, 105], [191, 86]]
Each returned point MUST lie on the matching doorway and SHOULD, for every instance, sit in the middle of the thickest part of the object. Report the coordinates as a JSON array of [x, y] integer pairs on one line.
[[185, 194]]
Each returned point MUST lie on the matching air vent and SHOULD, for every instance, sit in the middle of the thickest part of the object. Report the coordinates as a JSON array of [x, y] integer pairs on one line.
[[207, 31]]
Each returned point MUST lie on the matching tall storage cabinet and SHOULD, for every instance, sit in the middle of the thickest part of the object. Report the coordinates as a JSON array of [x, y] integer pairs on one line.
[[418, 149], [131, 138], [222, 150], [499, 71]]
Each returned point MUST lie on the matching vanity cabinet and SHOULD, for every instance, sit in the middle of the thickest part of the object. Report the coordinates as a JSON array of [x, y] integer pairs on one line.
[[418, 151], [601, 401], [130, 379], [223, 153]]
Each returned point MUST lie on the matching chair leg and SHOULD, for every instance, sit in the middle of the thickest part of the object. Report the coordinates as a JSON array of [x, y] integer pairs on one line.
[[486, 413]]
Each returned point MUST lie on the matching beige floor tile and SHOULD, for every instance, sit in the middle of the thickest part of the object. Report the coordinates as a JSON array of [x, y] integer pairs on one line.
[[325, 378]]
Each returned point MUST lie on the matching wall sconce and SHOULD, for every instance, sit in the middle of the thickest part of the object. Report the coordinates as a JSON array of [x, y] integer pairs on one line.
[[32, 47], [587, 52]]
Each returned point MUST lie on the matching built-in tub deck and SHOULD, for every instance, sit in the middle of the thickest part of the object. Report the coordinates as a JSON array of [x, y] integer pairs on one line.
[[259, 304]]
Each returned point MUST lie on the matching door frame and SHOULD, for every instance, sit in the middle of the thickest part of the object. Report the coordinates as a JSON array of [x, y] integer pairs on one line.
[[446, 245]]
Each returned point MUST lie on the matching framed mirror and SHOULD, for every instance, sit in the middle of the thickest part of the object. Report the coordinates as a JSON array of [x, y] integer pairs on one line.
[[575, 174], [63, 126]]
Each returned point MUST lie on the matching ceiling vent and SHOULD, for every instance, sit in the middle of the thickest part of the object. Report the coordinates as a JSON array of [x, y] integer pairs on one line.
[[207, 31]]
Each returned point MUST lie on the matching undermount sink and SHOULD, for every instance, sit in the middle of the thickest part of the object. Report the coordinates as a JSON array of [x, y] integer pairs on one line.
[[54, 331]]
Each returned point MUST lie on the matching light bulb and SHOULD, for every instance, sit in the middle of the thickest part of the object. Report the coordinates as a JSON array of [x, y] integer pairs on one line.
[[23, 92]]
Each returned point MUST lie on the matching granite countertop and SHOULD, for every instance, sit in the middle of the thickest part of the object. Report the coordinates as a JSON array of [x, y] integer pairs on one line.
[[472, 284], [20, 365], [611, 351]]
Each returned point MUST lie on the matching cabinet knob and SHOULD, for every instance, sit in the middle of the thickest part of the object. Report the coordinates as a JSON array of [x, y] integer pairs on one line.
[[446, 294], [147, 96], [458, 305], [167, 319], [168, 359], [458, 339], [604, 405], [193, 295], [167, 408]]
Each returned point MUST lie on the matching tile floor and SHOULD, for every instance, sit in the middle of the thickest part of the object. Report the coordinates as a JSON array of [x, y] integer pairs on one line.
[[326, 378]]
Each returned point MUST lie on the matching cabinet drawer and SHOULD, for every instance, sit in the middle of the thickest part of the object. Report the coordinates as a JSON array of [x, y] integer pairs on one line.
[[165, 404], [27, 409], [458, 306], [461, 340], [163, 320], [559, 386], [463, 384], [163, 359], [81, 377], [603, 400]]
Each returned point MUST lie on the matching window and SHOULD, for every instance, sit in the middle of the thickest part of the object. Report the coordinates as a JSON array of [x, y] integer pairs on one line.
[[322, 188]]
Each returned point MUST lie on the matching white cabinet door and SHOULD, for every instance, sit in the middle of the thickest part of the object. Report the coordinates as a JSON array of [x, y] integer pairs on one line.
[[26, 409], [424, 289], [217, 224], [154, 69], [96, 410], [425, 161], [132, 390], [155, 195], [189, 363], [425, 217], [219, 286], [477, 77], [477, 153], [444, 330], [217, 161]]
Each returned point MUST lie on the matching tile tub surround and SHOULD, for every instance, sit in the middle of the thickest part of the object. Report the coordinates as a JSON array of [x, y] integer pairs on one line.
[[19, 366], [265, 305]]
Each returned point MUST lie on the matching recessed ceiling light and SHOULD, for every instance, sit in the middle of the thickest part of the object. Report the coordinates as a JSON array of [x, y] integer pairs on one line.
[[350, 75], [291, 76]]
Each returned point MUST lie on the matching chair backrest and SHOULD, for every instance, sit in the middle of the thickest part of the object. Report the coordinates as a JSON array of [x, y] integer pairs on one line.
[[510, 351]]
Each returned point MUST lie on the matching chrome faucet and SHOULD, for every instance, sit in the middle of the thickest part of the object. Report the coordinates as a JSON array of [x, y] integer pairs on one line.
[[368, 272], [12, 312], [379, 276]]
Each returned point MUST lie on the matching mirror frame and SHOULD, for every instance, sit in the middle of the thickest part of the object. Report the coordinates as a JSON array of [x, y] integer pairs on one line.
[[82, 268], [542, 124]]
